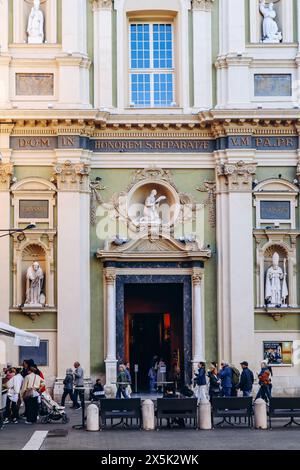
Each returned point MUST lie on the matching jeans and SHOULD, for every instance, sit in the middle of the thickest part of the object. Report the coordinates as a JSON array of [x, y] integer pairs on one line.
[[264, 392], [226, 391], [67, 392], [247, 393], [121, 391], [80, 393], [11, 410]]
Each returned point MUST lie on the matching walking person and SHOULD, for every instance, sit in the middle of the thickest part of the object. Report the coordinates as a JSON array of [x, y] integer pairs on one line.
[[226, 379], [122, 382], [128, 375], [200, 379], [152, 379], [246, 380], [214, 382], [78, 386], [68, 387], [30, 393], [161, 375], [264, 377], [14, 387]]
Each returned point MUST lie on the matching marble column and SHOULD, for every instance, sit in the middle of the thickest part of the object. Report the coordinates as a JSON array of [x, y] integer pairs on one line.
[[198, 337], [111, 332], [103, 55], [4, 57], [202, 53], [3, 26]]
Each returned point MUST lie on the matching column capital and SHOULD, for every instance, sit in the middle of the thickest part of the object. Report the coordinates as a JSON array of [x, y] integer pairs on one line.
[[237, 175], [6, 174], [197, 278], [102, 5], [204, 5], [110, 275], [72, 176]]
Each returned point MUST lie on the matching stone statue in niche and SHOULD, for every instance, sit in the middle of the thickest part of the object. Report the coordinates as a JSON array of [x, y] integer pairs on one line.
[[151, 205], [35, 27], [271, 33], [276, 287], [34, 286]]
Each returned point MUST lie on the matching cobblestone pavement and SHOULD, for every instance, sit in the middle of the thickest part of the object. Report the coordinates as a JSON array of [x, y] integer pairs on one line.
[[14, 437]]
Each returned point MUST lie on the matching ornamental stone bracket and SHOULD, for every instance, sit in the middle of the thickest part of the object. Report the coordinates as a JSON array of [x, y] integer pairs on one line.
[[6, 176], [210, 187], [236, 176], [70, 176], [204, 5]]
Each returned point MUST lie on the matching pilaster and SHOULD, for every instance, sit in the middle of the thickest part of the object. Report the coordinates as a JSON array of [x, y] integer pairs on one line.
[[103, 55], [111, 325], [73, 268], [202, 50], [3, 27], [198, 320], [235, 262]]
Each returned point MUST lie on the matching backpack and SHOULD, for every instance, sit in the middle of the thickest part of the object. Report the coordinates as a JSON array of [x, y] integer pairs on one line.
[[235, 375]]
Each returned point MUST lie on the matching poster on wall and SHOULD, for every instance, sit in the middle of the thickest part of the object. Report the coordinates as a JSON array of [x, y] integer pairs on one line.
[[278, 353]]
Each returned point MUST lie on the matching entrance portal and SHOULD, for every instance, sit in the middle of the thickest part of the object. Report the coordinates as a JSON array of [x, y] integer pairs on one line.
[[154, 327]]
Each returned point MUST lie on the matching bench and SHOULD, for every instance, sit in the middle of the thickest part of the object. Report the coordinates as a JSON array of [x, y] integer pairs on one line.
[[284, 407], [232, 407], [124, 409], [176, 409]]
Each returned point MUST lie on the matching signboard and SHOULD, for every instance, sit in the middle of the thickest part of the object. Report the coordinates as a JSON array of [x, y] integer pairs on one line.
[[33, 209], [136, 367], [278, 353], [275, 210]]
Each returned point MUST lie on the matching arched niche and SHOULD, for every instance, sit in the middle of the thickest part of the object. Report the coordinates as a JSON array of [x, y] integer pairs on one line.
[[30, 254], [287, 262], [22, 8], [275, 201], [285, 20], [169, 208]]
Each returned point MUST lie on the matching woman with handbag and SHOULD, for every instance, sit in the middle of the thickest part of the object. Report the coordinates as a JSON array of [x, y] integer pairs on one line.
[[30, 393]]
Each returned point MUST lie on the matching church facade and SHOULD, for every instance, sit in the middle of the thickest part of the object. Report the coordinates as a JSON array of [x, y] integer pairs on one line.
[[154, 145]]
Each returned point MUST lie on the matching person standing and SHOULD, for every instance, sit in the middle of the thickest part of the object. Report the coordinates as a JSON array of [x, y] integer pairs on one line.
[[161, 375], [128, 375], [152, 379], [226, 379], [78, 385], [30, 393], [246, 380], [200, 378], [68, 387], [214, 381], [264, 377], [14, 386], [122, 382]]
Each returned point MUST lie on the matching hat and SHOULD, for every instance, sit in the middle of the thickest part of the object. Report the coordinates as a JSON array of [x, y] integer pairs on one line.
[[244, 363]]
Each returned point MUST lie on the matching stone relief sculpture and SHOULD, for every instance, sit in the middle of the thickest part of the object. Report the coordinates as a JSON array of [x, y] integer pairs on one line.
[[35, 27], [271, 33], [151, 208], [276, 290], [34, 285]]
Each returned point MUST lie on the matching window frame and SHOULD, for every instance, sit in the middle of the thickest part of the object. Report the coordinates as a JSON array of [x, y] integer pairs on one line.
[[151, 71]]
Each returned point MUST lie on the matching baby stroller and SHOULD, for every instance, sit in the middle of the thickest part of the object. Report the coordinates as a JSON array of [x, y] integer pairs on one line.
[[51, 411]]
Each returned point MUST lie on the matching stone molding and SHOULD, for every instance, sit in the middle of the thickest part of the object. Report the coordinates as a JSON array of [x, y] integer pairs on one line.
[[203, 5], [238, 176], [6, 176], [110, 276], [72, 176], [197, 278], [102, 5]]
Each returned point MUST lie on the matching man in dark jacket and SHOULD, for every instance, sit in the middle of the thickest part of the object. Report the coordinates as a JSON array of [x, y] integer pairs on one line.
[[226, 379], [246, 380]]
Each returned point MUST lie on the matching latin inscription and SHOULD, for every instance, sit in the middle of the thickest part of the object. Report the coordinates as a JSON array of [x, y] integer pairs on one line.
[[275, 210], [30, 84], [153, 145], [33, 209]]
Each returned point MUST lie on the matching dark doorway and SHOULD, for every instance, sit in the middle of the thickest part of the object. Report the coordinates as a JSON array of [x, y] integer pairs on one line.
[[154, 327]]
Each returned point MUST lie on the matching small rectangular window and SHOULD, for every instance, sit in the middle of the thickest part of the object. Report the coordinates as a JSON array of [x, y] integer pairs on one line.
[[275, 210], [151, 65]]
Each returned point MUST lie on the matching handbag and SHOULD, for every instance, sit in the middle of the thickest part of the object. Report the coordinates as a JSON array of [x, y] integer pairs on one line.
[[29, 393]]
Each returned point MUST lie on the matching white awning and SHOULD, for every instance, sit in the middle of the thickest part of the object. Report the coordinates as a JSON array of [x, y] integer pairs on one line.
[[21, 337]]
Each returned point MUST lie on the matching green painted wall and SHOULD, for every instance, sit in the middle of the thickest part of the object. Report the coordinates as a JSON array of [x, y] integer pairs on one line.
[[186, 181], [28, 171], [59, 21], [46, 321], [287, 322]]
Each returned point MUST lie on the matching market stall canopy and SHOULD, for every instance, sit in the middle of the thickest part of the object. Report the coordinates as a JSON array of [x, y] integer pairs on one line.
[[21, 337]]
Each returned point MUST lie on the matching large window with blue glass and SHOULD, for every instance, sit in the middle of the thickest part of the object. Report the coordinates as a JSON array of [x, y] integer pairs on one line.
[[152, 78]]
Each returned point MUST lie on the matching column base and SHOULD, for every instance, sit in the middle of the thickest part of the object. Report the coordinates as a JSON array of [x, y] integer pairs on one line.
[[110, 371]]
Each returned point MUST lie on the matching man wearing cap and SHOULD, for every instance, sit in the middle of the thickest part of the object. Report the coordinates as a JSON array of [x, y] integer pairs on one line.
[[246, 380]]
